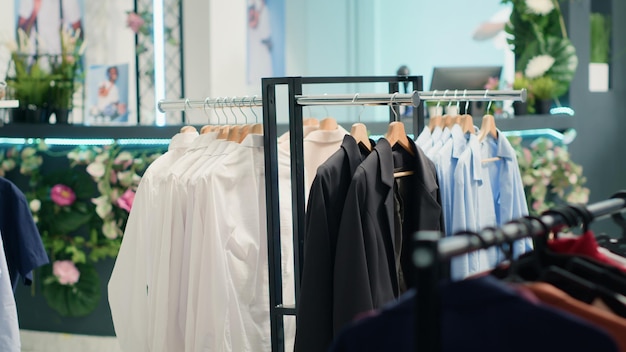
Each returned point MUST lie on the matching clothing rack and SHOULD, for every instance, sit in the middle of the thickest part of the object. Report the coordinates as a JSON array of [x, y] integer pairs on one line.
[[217, 103], [430, 252], [296, 102], [473, 95]]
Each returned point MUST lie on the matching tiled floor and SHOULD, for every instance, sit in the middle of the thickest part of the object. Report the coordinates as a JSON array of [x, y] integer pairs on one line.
[[37, 341]]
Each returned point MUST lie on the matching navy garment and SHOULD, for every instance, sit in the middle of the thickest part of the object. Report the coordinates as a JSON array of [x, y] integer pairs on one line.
[[22, 243], [481, 315]]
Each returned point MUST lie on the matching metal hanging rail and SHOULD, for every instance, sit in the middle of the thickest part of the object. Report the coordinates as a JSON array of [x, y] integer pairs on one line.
[[412, 99], [473, 95], [218, 103]]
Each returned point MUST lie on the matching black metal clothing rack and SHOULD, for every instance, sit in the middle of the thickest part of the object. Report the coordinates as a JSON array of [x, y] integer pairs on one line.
[[430, 251], [294, 87]]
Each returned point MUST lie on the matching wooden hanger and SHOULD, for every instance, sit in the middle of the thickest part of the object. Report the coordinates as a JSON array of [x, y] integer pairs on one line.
[[359, 132], [257, 128], [328, 124], [222, 132], [397, 135], [206, 129], [488, 127], [244, 132], [310, 121], [188, 129], [467, 124], [234, 134], [434, 122], [450, 120]]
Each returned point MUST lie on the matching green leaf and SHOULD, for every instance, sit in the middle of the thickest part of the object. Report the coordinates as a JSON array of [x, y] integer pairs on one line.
[[76, 300], [565, 64], [66, 222]]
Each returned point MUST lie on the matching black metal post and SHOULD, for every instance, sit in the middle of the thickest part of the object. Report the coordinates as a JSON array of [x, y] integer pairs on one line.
[[272, 211], [427, 305]]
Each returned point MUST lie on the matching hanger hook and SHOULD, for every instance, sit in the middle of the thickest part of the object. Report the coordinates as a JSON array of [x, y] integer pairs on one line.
[[241, 102], [466, 101], [256, 118], [217, 101], [438, 102], [204, 106], [230, 107], [457, 101], [187, 105], [488, 105], [444, 95], [395, 113], [356, 95]]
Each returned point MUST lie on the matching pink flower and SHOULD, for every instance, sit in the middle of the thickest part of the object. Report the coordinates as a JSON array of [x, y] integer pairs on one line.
[[66, 272], [134, 22], [62, 195], [126, 200], [492, 83]]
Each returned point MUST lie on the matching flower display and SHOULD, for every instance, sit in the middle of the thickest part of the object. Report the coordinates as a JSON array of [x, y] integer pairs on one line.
[[539, 40], [126, 200], [66, 272], [549, 175], [80, 211], [62, 195], [540, 7], [538, 66]]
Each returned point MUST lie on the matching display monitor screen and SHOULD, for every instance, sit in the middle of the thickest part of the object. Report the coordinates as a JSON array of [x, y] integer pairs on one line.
[[468, 77]]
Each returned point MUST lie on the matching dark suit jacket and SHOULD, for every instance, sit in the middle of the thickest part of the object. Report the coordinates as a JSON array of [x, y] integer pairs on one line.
[[365, 275], [325, 205]]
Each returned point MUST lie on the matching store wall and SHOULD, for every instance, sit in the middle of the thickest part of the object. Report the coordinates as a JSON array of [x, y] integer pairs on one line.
[[337, 38]]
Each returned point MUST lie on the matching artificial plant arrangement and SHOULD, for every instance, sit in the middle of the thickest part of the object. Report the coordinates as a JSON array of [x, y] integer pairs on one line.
[[600, 38], [80, 212], [28, 80], [549, 175], [539, 40]]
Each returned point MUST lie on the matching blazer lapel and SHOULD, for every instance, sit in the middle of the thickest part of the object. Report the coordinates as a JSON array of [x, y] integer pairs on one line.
[[385, 163]]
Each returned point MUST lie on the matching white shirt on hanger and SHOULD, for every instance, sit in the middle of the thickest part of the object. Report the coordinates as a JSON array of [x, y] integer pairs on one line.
[[129, 285], [165, 332], [318, 147]]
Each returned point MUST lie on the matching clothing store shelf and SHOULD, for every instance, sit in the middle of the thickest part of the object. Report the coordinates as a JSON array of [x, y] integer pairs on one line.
[[559, 122], [24, 130]]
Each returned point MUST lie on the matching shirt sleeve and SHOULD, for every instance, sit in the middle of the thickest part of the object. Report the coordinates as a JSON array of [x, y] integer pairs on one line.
[[23, 246]]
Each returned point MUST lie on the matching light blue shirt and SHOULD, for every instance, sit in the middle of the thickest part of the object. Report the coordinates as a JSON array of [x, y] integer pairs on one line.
[[472, 207], [509, 198], [445, 164], [424, 138]]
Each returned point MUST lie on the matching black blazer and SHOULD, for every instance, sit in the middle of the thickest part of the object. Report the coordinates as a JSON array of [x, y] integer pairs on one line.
[[325, 205], [365, 274]]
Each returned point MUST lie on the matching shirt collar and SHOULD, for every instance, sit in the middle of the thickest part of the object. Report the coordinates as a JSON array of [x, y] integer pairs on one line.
[[458, 141], [253, 141], [325, 136], [203, 140], [182, 140], [505, 149]]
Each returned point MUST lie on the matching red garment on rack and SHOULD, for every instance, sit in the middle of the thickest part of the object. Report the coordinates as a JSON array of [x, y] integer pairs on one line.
[[585, 245]]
